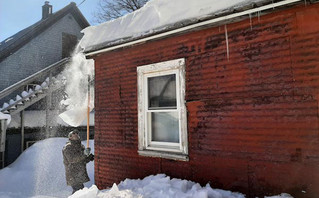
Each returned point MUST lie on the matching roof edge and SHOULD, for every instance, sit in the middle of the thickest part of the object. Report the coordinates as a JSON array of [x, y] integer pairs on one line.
[[113, 45]]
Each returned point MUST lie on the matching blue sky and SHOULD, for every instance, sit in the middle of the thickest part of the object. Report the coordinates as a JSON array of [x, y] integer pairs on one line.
[[16, 15]]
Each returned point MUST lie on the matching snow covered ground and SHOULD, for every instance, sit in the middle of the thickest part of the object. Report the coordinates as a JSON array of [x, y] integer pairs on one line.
[[39, 173]]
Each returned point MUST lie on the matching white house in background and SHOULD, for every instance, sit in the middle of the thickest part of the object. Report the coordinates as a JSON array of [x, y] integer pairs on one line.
[[30, 85]]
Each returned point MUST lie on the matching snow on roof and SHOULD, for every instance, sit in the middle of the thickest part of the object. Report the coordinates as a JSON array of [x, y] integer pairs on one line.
[[156, 16]]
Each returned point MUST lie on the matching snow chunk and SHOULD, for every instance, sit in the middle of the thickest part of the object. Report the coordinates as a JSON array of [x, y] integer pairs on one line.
[[77, 90], [157, 186], [155, 16], [5, 117], [5, 105], [38, 87], [24, 94], [44, 84], [114, 192], [18, 98], [11, 102], [282, 195]]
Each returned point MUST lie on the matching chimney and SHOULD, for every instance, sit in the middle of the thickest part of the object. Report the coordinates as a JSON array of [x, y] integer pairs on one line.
[[46, 10]]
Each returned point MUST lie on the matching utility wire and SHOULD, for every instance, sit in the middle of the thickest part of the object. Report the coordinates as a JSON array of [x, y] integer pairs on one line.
[[81, 3]]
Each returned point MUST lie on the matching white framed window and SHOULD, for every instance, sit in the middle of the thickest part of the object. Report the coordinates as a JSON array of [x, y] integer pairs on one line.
[[162, 120]]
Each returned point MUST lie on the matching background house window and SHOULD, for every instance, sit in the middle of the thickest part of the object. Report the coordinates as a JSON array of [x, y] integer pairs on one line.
[[162, 111]]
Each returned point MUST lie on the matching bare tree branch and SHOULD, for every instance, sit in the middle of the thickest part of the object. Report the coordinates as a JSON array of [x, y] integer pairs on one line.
[[112, 9]]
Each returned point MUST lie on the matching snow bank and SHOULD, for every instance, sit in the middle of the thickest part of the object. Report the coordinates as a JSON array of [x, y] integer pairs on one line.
[[39, 172], [158, 186], [155, 16]]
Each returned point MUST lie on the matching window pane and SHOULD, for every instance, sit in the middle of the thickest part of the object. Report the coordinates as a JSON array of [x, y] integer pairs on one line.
[[162, 91], [164, 126]]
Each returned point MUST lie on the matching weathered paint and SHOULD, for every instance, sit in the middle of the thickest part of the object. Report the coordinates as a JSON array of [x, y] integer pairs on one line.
[[252, 119]]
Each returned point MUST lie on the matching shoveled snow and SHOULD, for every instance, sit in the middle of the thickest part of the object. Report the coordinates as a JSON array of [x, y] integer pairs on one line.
[[77, 90], [39, 173], [158, 186], [154, 16]]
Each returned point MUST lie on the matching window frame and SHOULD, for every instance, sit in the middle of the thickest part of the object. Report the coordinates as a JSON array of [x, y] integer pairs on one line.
[[146, 147]]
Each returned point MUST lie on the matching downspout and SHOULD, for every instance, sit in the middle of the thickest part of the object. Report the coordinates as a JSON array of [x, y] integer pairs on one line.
[[197, 25]]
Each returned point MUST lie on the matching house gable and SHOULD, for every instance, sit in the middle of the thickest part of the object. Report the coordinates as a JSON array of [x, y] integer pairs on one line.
[[39, 45]]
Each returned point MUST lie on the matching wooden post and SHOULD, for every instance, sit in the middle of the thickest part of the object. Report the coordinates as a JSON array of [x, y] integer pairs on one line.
[[48, 106], [88, 116], [3, 139], [22, 130]]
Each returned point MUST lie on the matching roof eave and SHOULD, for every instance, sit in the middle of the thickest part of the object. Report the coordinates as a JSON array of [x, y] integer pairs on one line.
[[191, 27]]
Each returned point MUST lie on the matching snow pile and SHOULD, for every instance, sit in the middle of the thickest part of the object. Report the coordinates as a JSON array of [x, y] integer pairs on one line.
[[155, 16], [5, 117], [158, 186], [39, 171], [77, 88], [282, 195]]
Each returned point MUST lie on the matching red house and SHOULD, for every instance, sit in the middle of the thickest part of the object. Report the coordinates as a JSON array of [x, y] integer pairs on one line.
[[229, 98]]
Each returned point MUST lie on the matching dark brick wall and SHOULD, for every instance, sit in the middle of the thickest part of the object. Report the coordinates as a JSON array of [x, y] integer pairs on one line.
[[252, 119]]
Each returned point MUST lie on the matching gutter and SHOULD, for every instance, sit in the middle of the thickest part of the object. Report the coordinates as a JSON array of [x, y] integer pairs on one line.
[[197, 25]]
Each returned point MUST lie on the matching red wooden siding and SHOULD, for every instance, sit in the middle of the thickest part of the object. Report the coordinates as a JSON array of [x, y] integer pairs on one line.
[[252, 120]]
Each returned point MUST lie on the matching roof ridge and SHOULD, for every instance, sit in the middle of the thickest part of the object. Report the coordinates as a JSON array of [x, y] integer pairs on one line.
[[28, 33]]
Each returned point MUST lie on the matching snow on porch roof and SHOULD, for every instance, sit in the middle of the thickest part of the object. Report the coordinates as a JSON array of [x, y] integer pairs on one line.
[[158, 16]]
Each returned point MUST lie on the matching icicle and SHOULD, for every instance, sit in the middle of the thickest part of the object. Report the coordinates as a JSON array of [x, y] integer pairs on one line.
[[258, 13], [273, 7], [227, 46], [251, 23]]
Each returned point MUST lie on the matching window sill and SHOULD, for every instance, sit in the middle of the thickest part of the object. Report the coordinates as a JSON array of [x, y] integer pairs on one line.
[[162, 154]]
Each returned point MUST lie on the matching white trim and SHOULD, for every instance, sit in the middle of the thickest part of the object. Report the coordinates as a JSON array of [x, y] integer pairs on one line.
[[176, 67], [197, 25], [166, 155]]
